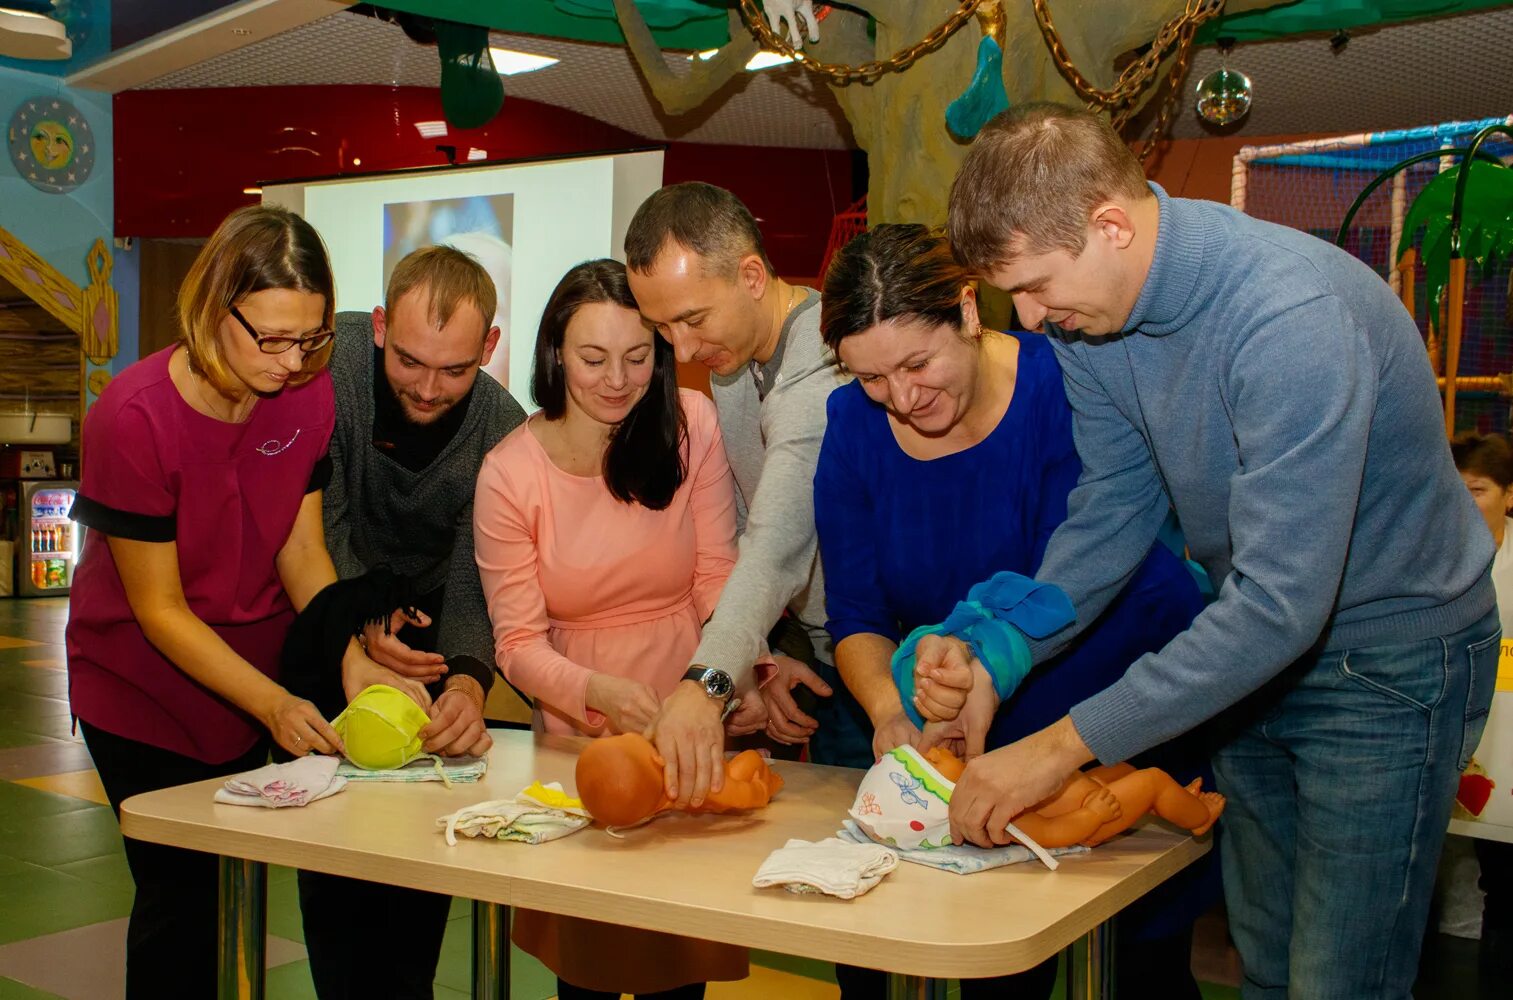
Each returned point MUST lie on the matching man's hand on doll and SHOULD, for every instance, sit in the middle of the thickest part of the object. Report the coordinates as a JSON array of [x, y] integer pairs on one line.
[[688, 735], [358, 671], [892, 733], [942, 676], [628, 706], [457, 726], [750, 716], [966, 732], [1000, 785], [786, 722], [388, 650]]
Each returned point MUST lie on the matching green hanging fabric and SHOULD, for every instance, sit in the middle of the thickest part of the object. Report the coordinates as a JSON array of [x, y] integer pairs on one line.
[[471, 91], [984, 96]]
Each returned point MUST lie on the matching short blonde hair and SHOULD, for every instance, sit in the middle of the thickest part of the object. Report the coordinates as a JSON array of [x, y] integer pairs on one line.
[[1031, 181], [253, 249], [451, 276]]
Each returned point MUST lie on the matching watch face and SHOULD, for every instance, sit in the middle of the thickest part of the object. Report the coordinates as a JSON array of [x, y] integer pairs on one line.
[[718, 684], [51, 144]]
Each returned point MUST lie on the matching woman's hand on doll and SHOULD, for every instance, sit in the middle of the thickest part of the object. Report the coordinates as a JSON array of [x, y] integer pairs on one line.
[[456, 727], [943, 677], [786, 722], [630, 706], [299, 728], [359, 671], [946, 735], [892, 732], [388, 650], [966, 732]]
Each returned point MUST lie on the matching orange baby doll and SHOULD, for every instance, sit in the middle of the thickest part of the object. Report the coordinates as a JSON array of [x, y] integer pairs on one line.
[[620, 780], [1103, 802]]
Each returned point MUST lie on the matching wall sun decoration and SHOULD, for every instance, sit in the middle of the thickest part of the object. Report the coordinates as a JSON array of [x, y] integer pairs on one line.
[[51, 144]]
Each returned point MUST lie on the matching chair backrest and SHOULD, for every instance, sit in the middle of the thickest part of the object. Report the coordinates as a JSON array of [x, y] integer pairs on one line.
[[844, 228]]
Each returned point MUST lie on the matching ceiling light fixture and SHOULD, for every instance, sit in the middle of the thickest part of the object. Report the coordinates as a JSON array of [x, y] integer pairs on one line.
[[508, 62], [431, 130], [27, 34], [762, 60]]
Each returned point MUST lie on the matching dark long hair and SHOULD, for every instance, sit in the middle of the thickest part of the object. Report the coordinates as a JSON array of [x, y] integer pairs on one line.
[[647, 457], [892, 271]]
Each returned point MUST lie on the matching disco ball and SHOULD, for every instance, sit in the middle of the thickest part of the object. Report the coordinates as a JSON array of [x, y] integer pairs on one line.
[[1224, 96]]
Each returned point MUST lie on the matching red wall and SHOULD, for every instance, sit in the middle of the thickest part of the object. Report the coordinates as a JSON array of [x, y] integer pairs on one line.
[[182, 157]]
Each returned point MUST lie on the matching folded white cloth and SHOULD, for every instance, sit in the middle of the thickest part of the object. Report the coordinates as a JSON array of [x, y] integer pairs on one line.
[[427, 768], [962, 860], [276, 786], [536, 815], [834, 867]]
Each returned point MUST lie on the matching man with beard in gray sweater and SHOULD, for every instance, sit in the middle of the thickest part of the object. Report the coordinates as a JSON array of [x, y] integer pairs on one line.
[[415, 416]]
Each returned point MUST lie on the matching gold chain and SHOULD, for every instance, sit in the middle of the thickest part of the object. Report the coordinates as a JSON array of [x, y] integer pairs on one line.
[[868, 72], [1178, 34], [199, 382], [1174, 82], [1138, 75]]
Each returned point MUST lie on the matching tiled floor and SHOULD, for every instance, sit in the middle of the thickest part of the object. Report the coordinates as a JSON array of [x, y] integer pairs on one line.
[[65, 891]]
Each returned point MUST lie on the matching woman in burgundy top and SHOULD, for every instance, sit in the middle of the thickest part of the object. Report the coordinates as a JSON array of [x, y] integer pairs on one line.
[[203, 470]]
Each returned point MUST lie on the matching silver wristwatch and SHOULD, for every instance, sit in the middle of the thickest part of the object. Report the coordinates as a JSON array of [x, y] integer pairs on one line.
[[717, 684]]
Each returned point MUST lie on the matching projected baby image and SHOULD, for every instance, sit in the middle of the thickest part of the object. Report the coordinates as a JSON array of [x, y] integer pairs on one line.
[[481, 225]]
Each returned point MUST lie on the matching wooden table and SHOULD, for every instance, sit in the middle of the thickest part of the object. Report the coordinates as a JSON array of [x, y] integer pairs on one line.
[[681, 874]]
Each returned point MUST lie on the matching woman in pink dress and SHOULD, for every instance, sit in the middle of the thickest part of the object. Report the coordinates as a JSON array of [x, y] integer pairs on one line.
[[604, 530]]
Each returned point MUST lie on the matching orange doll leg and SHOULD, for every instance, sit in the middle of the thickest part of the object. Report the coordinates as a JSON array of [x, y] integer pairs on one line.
[[1071, 797], [1078, 786], [1099, 808], [749, 784], [1152, 789], [1107, 774]]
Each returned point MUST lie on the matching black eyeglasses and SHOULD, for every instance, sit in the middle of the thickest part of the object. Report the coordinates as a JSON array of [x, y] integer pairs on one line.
[[278, 345]]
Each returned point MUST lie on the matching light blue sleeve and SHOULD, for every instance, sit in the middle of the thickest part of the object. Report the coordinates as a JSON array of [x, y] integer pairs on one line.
[[996, 620]]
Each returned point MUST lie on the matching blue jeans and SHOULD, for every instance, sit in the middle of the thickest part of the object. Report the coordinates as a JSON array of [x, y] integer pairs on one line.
[[1339, 790]]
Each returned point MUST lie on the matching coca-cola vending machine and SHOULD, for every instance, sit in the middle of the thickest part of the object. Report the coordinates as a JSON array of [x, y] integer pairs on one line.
[[47, 542]]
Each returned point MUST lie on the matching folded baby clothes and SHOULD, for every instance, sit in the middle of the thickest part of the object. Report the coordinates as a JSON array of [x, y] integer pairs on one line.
[[833, 867], [534, 816], [962, 860], [446, 769], [275, 786]]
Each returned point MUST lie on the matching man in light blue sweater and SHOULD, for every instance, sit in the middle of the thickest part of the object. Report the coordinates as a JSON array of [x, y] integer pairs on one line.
[[1271, 389]]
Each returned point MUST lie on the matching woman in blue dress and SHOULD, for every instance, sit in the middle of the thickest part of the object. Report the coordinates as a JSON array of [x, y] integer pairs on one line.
[[947, 460]]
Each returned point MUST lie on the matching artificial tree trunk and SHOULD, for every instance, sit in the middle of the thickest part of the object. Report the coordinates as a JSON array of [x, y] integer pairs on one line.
[[900, 120]]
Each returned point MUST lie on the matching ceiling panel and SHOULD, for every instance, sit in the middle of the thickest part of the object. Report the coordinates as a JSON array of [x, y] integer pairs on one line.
[[783, 106], [1452, 68], [1448, 69]]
